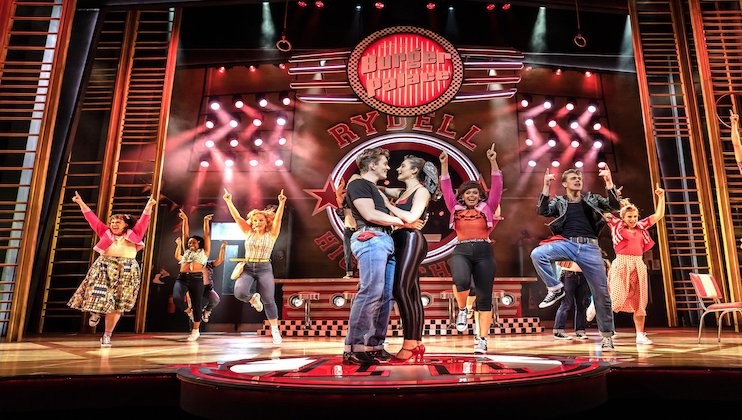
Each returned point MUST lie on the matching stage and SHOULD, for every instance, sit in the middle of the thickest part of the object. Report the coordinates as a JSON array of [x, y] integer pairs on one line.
[[226, 375]]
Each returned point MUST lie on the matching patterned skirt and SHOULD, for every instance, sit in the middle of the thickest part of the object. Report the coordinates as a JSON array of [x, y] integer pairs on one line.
[[627, 284], [112, 284]]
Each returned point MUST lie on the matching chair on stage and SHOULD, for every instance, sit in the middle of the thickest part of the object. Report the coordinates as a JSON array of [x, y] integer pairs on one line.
[[707, 289]]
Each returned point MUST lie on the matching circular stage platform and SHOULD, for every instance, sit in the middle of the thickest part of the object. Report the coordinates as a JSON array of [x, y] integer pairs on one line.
[[507, 384]]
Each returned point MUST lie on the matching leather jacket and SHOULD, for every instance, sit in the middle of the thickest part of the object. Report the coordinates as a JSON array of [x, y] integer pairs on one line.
[[557, 207]]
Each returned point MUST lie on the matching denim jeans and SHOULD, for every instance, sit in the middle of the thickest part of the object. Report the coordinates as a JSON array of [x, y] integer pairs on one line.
[[369, 315], [576, 294], [262, 274], [588, 257]]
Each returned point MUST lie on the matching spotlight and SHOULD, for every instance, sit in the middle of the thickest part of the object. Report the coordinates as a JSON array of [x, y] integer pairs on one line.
[[209, 143], [597, 144], [555, 163], [450, 8], [575, 143], [261, 100], [237, 101], [301, 4], [579, 164], [490, 6], [282, 66], [430, 6], [551, 121], [221, 69], [552, 143], [278, 162], [204, 162], [506, 6], [258, 142], [596, 124], [601, 160], [210, 121], [319, 4], [257, 121], [573, 123], [548, 102], [295, 301], [529, 122], [281, 119], [214, 104], [532, 163], [235, 121], [592, 107], [379, 5], [426, 299], [558, 72], [234, 142], [525, 101], [337, 301], [529, 142], [507, 300], [358, 7], [282, 141], [588, 73], [284, 98], [229, 162], [570, 104], [253, 162]]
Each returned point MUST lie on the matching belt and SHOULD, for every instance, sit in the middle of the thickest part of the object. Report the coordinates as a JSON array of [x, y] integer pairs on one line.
[[472, 240], [583, 240], [258, 261], [384, 229]]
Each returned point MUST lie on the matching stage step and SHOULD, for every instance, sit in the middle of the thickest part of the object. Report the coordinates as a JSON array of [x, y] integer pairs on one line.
[[338, 328]]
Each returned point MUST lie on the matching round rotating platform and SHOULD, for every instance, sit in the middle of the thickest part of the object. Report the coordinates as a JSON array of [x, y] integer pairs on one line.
[[508, 384]]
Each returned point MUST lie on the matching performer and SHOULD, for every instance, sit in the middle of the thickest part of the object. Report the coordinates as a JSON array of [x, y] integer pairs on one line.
[[410, 248], [578, 221], [349, 227], [373, 248], [261, 233], [627, 279], [112, 283], [473, 218], [577, 294], [193, 273]]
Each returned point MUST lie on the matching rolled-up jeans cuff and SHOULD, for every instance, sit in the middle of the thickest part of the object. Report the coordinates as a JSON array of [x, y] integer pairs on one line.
[[555, 288]]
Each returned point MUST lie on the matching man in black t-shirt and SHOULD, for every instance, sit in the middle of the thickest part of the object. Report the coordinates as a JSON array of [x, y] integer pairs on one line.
[[373, 248], [578, 221]]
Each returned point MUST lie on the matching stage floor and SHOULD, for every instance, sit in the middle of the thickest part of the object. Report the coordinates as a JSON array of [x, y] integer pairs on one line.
[[220, 370]]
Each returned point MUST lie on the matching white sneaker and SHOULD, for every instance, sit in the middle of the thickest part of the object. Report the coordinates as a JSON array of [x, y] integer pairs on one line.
[[193, 336], [551, 298], [580, 335], [590, 314], [461, 321], [276, 333], [641, 338], [205, 316], [105, 341], [256, 303], [94, 319], [481, 346], [607, 344]]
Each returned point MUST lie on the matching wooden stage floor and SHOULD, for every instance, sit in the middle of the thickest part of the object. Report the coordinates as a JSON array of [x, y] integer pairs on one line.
[[674, 368]]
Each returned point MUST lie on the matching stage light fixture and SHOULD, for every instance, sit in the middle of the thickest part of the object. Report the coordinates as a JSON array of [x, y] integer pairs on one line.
[[558, 72], [209, 143], [281, 119], [575, 143], [252, 68], [430, 6], [529, 122], [551, 121], [570, 104], [278, 162], [601, 160], [529, 142], [532, 163], [379, 5], [358, 7], [552, 143], [257, 121], [237, 101], [579, 164], [588, 73], [592, 107], [490, 6], [282, 66], [235, 120], [221, 69], [258, 142], [282, 141], [253, 162], [204, 163], [555, 163], [295, 301], [596, 124], [573, 122], [234, 142], [284, 98], [319, 4], [338, 301], [548, 102], [525, 100], [506, 6], [507, 300], [426, 299], [261, 100], [450, 8], [214, 104], [229, 162], [210, 121], [301, 4], [597, 143]]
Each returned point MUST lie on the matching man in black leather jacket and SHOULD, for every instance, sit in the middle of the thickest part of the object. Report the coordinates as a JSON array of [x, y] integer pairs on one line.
[[578, 221]]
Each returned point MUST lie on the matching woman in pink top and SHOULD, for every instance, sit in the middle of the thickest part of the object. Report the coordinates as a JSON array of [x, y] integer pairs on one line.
[[627, 278], [112, 283]]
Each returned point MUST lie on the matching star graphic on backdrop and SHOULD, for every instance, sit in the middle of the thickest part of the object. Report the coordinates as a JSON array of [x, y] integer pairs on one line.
[[325, 196]]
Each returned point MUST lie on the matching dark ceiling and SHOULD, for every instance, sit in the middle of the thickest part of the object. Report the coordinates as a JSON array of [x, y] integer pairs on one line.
[[233, 32]]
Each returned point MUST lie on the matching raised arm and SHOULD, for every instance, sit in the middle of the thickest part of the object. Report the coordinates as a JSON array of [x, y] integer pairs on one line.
[[184, 230], [242, 223], [545, 207], [207, 233], [614, 196], [446, 186], [99, 227], [496, 186], [276, 228], [141, 226], [220, 258], [659, 213], [736, 141], [178, 246]]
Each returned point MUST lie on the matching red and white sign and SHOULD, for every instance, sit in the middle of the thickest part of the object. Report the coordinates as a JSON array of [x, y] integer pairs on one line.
[[405, 71]]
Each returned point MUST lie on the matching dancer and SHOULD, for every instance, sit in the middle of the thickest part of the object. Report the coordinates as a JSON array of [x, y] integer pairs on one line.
[[627, 280], [210, 297], [112, 283], [410, 248], [373, 248], [193, 273], [261, 229], [578, 221], [576, 294], [349, 227], [736, 141], [473, 218]]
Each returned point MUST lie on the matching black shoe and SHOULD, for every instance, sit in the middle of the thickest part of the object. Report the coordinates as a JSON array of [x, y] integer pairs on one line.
[[382, 355], [359, 358]]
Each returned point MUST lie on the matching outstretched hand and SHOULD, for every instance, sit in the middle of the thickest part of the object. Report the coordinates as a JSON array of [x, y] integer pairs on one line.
[[182, 215], [733, 118], [227, 195], [151, 202], [491, 154], [548, 178], [658, 191], [77, 199], [208, 217], [443, 157], [281, 197], [605, 173]]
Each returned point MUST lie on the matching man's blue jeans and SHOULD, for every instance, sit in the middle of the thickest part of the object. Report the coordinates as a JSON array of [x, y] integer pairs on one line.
[[590, 260], [369, 316]]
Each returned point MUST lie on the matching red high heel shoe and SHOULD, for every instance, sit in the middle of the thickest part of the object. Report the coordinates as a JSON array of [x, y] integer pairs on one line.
[[416, 354]]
